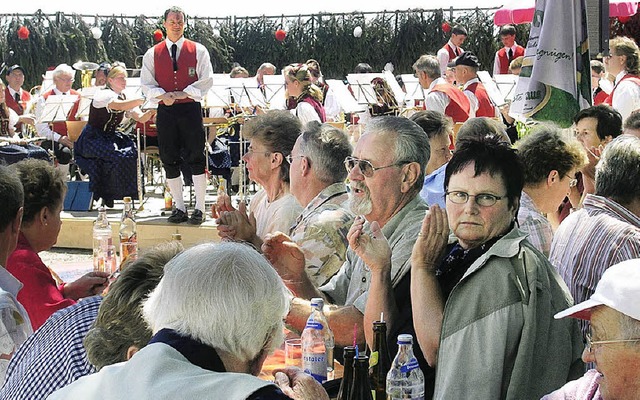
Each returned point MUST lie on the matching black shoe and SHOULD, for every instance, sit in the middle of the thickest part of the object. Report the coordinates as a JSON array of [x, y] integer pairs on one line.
[[177, 216], [197, 217]]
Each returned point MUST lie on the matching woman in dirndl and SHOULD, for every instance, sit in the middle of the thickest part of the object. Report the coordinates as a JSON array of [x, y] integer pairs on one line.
[[107, 155]]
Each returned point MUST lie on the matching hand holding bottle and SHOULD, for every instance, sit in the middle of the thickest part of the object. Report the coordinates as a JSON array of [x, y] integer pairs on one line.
[[298, 385]]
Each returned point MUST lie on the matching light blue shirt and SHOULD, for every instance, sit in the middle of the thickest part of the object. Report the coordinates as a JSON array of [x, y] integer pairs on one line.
[[433, 189]]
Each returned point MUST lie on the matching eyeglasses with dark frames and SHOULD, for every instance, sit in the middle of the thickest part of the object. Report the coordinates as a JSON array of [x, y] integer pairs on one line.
[[481, 199]]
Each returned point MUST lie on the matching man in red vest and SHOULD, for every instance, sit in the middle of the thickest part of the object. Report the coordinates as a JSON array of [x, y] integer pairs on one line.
[[509, 52], [452, 48], [467, 75], [17, 98], [177, 73], [441, 95], [56, 132]]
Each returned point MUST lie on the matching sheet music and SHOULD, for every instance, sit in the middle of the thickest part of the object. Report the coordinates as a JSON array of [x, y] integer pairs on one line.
[[395, 87], [361, 87], [219, 94], [246, 93], [412, 86], [57, 107], [86, 97], [347, 102], [274, 91], [500, 90]]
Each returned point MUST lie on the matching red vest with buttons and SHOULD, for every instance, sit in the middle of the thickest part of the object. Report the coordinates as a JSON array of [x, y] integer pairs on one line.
[[503, 58], [452, 53], [60, 127], [633, 78], [175, 81], [11, 101], [459, 107], [485, 108]]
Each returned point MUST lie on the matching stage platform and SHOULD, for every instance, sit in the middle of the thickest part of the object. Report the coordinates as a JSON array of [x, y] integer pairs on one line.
[[151, 218]]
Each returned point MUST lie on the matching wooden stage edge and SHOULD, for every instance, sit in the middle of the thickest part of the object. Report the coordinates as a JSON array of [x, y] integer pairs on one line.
[[153, 228]]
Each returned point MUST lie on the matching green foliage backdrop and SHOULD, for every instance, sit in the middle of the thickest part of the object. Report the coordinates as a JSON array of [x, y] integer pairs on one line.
[[399, 37]]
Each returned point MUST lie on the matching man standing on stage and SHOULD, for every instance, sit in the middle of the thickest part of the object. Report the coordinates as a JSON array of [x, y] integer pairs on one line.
[[451, 50], [177, 73], [509, 52]]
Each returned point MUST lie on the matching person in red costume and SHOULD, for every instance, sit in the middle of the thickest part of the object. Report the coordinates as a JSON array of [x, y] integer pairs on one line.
[[440, 95], [623, 62], [509, 52], [41, 295], [177, 74]]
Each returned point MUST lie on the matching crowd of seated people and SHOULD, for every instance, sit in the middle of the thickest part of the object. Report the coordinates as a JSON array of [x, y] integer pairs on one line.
[[476, 245]]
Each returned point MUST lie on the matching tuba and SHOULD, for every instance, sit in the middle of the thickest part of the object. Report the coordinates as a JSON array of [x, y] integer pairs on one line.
[[86, 68]]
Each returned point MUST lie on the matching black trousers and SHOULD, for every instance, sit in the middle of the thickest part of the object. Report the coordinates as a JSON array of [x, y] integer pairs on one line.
[[181, 134], [63, 154]]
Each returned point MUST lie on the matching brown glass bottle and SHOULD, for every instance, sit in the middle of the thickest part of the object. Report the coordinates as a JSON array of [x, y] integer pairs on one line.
[[360, 388], [347, 379], [379, 361]]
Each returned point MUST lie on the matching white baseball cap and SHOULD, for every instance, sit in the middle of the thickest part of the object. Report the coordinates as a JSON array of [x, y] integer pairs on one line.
[[619, 288]]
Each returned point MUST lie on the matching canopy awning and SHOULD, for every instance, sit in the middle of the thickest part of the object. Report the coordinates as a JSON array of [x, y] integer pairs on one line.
[[521, 11]]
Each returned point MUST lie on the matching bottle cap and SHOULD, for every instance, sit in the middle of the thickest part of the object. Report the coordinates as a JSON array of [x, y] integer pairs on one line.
[[127, 199], [317, 302], [176, 236], [405, 338]]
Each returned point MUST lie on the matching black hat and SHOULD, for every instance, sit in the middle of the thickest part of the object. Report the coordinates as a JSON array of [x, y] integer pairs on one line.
[[13, 68], [469, 59]]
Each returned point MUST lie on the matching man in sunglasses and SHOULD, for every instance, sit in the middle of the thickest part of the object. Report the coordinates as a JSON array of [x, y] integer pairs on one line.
[[613, 343], [385, 176]]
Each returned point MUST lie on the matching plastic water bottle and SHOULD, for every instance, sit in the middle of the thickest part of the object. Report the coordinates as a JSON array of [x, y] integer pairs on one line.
[[102, 239], [317, 344], [405, 380]]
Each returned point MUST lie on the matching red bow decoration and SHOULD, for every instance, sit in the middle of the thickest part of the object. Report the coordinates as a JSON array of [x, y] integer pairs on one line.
[[446, 28], [623, 19], [23, 33]]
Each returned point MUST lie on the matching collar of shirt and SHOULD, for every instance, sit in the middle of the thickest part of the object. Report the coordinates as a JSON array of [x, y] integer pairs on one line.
[[620, 75], [527, 201], [8, 282], [438, 81], [515, 45], [453, 46], [593, 204], [469, 82], [56, 91], [331, 191], [179, 43], [197, 353], [13, 92]]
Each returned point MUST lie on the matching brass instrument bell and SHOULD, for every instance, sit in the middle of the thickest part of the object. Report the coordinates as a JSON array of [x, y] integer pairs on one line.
[[86, 68]]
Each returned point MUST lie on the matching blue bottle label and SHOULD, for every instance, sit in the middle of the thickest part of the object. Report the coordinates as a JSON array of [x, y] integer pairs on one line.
[[313, 324], [410, 366]]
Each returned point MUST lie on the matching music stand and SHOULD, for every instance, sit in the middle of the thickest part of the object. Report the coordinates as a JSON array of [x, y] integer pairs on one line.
[[362, 89], [246, 94], [86, 97], [347, 102], [274, 92], [57, 107], [412, 86], [218, 95], [506, 85]]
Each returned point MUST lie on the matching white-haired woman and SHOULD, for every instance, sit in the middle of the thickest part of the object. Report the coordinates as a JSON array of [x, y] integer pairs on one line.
[[219, 356]]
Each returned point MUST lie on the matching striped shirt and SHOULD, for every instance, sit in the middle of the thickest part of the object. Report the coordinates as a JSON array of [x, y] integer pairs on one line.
[[533, 222], [601, 234], [53, 356]]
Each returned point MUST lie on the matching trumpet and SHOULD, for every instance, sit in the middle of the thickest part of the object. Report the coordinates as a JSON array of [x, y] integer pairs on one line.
[[86, 68]]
